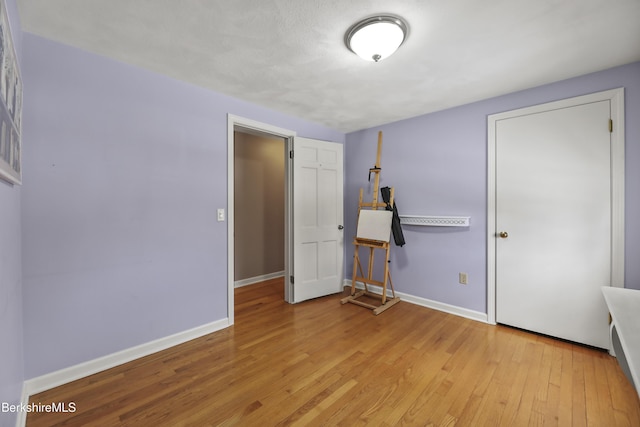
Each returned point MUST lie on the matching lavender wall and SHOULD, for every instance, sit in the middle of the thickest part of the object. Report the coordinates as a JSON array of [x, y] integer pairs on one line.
[[124, 170], [437, 164], [11, 353]]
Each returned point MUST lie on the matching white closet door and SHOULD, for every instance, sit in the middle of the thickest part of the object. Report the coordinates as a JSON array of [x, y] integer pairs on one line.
[[553, 220]]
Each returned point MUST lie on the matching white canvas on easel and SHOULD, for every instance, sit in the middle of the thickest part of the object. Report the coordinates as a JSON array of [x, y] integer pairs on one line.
[[374, 225]]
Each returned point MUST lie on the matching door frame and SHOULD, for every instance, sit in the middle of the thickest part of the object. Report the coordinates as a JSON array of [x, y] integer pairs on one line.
[[616, 98], [234, 121]]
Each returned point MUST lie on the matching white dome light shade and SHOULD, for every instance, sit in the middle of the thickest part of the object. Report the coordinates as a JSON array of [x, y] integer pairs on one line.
[[376, 38]]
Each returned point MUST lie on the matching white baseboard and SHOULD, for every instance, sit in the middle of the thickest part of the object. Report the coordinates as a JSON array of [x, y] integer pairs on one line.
[[424, 302], [72, 373], [257, 279], [21, 417]]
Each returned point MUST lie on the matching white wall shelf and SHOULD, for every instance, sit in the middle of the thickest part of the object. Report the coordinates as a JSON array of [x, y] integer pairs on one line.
[[435, 221]]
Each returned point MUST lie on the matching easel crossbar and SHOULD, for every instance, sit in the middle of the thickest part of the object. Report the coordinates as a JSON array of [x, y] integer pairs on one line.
[[373, 205], [369, 281], [370, 243]]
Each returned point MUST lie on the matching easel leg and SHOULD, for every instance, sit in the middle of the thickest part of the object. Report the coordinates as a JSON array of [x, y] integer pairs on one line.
[[356, 263], [370, 269], [386, 276], [393, 291]]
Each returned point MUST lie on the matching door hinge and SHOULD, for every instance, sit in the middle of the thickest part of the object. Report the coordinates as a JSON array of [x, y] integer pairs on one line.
[[610, 126], [291, 154], [291, 279]]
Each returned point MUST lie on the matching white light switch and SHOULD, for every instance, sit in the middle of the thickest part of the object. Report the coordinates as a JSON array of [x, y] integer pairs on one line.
[[220, 214]]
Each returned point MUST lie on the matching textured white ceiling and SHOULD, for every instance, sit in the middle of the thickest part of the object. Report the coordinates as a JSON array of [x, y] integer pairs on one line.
[[289, 55]]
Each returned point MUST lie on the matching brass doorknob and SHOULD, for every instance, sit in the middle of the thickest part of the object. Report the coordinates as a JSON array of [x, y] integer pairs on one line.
[[504, 234]]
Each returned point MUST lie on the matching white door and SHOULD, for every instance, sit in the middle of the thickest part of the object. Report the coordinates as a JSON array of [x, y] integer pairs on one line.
[[318, 238], [553, 222]]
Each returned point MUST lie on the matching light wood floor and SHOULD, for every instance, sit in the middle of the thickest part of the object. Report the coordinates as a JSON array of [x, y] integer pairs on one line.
[[322, 363]]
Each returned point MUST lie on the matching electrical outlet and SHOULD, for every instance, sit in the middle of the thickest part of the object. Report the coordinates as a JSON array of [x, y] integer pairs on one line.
[[462, 278]]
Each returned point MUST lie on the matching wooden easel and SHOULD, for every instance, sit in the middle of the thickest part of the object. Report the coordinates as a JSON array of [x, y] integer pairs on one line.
[[386, 303]]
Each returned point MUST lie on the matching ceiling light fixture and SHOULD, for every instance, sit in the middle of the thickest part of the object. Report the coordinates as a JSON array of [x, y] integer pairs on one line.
[[375, 38]]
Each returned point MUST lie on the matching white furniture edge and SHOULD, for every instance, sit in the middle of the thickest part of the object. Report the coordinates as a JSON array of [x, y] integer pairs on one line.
[[624, 307]]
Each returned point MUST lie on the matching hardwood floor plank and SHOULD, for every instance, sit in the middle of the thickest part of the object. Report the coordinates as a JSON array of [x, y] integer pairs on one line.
[[323, 363], [565, 412]]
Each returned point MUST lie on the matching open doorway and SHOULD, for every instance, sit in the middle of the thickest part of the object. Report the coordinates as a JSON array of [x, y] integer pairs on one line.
[[313, 229], [258, 205]]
